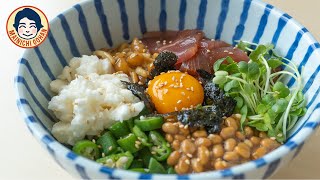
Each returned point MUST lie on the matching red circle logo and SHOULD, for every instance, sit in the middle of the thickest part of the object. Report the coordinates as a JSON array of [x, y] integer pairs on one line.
[[27, 27]]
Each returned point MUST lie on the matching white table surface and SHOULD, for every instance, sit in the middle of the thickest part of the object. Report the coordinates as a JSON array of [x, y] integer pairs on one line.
[[21, 157]]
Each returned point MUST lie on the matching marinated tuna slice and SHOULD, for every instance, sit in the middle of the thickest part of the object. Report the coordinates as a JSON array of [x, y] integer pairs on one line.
[[205, 59], [160, 35], [213, 44], [155, 39], [184, 44]]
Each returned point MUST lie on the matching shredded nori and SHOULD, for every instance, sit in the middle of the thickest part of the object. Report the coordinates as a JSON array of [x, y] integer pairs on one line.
[[164, 62], [216, 105], [209, 117], [214, 95], [204, 75], [139, 91]]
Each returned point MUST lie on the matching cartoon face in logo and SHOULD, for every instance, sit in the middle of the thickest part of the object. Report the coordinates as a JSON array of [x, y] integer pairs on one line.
[[27, 23]]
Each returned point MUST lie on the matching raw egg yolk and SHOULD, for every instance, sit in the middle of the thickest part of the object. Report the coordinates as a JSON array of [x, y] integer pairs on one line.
[[173, 91]]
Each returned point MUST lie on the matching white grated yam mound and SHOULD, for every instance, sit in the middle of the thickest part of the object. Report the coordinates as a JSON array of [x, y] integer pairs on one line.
[[84, 65], [90, 102]]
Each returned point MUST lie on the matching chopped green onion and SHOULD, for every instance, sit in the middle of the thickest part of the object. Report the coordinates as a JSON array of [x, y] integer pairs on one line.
[[155, 167], [149, 123], [136, 163], [161, 148], [119, 129], [87, 149], [141, 136], [141, 170], [171, 170], [108, 143], [121, 160], [145, 155], [130, 143]]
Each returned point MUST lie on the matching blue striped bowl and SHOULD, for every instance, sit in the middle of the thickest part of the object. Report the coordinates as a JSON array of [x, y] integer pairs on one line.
[[95, 24]]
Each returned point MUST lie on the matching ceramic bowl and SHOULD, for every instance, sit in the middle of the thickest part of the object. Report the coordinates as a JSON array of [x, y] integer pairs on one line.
[[105, 23]]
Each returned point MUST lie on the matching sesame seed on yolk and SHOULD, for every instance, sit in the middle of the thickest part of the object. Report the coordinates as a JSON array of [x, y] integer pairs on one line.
[[174, 91]]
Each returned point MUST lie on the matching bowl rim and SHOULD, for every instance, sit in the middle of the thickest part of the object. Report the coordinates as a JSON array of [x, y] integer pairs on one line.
[[43, 135]]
